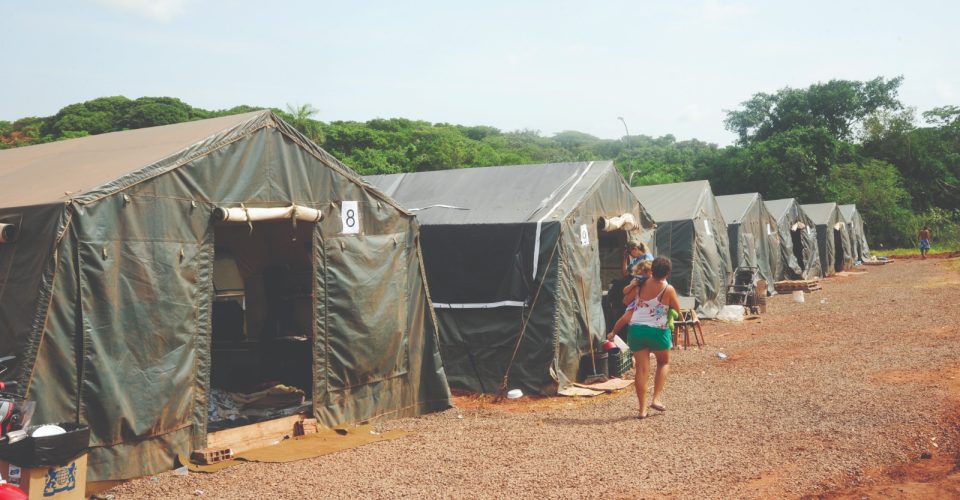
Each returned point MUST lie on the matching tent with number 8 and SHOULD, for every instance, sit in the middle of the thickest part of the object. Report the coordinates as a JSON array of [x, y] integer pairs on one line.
[[148, 274]]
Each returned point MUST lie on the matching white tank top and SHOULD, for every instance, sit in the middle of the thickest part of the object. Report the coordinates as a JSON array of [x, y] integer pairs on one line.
[[651, 312]]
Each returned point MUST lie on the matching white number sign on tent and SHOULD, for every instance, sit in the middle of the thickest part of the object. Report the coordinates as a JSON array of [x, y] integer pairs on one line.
[[350, 217]]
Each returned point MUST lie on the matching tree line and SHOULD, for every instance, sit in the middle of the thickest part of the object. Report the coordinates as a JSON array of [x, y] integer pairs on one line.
[[844, 141]]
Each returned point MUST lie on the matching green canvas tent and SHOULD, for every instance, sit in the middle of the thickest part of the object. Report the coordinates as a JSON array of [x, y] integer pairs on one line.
[[517, 260], [799, 254], [692, 232], [130, 292], [752, 232], [858, 236], [833, 242]]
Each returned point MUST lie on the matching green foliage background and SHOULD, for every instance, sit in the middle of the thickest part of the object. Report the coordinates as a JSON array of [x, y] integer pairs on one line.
[[843, 141]]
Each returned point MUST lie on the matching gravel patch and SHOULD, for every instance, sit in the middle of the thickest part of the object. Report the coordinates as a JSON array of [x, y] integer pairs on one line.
[[863, 375]]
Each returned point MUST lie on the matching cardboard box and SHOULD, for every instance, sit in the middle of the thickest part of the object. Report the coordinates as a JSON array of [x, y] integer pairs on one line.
[[55, 483]]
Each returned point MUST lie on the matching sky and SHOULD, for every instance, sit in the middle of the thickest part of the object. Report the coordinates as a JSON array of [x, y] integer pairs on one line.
[[667, 67]]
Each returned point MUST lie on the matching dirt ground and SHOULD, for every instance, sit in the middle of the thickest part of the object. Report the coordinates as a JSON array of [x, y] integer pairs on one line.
[[854, 393]]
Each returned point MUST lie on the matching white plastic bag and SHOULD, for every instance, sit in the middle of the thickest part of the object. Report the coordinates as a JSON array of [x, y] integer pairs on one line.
[[620, 343], [731, 313]]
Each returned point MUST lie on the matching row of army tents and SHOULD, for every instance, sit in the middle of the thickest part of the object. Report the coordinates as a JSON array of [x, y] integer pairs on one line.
[[142, 270]]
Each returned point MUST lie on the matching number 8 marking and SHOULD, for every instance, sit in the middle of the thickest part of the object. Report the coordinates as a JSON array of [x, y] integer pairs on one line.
[[351, 218]]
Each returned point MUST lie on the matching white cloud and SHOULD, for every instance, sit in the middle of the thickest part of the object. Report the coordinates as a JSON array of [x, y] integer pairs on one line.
[[159, 10]]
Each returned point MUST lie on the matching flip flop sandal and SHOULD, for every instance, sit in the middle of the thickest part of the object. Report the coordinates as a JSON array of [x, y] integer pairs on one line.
[[658, 407]]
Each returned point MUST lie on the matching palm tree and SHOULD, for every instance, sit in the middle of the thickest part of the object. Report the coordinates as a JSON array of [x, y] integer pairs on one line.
[[301, 115]]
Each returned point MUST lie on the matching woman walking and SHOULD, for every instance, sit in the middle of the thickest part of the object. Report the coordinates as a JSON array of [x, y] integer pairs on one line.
[[649, 333]]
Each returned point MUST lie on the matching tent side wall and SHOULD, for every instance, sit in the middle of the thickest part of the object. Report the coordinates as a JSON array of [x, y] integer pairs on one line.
[[859, 237], [770, 246], [711, 270], [864, 245], [373, 361], [141, 260], [477, 344], [577, 279], [712, 257]]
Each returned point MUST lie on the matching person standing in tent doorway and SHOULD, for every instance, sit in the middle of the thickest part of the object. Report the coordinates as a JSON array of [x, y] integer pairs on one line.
[[633, 254], [924, 238], [649, 333]]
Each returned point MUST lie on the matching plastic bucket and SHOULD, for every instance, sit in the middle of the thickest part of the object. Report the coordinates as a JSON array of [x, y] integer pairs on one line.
[[798, 296]]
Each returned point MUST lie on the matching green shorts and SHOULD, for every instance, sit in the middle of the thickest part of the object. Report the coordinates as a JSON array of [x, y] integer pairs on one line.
[[641, 337]]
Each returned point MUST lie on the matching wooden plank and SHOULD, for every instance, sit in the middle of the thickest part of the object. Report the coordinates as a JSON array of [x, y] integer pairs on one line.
[[253, 436], [797, 285], [571, 391], [609, 386]]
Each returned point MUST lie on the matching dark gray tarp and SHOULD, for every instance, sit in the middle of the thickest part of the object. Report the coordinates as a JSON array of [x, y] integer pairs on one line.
[[833, 241], [691, 231], [753, 235], [799, 253], [106, 296], [858, 236], [516, 262]]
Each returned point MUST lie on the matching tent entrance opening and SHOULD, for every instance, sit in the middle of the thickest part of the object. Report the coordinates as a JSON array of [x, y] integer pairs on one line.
[[797, 239], [262, 322], [838, 250], [611, 248]]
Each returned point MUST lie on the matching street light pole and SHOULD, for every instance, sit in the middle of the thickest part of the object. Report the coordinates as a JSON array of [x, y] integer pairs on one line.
[[630, 179], [625, 129]]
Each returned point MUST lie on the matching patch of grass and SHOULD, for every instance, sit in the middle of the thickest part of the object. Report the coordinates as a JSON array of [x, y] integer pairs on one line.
[[897, 252]]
